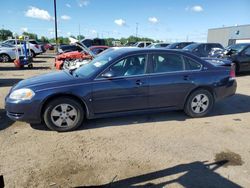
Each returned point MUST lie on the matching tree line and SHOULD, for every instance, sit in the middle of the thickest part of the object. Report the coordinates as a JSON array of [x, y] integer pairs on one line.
[[5, 34]]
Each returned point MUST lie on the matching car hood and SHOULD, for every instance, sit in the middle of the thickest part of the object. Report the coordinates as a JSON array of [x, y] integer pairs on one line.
[[45, 80], [74, 54]]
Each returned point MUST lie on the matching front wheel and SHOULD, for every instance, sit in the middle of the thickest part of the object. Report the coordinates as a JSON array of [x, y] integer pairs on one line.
[[199, 103], [63, 114]]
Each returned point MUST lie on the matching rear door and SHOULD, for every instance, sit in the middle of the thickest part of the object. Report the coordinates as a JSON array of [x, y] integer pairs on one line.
[[170, 80], [126, 91]]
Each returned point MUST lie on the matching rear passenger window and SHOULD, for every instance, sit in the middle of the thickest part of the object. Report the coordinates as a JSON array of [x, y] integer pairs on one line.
[[167, 63], [191, 64]]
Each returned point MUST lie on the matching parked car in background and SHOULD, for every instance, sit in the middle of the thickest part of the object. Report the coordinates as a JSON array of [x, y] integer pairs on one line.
[[73, 47], [43, 46], [123, 81], [129, 44], [142, 44], [68, 48], [7, 53], [93, 51], [98, 49], [202, 49], [178, 45], [93, 42], [65, 60], [158, 45], [239, 54], [75, 59], [35, 48]]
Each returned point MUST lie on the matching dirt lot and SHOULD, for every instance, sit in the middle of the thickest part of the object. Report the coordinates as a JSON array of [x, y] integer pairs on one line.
[[163, 149]]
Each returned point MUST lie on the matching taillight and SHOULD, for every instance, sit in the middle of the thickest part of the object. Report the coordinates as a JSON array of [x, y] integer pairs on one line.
[[232, 72], [36, 45]]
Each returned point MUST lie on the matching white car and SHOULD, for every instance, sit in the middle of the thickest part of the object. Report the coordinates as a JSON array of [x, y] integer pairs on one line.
[[158, 45], [142, 44], [35, 49], [7, 53]]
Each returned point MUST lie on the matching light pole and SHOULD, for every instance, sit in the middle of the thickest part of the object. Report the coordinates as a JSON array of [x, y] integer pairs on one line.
[[55, 26], [136, 32]]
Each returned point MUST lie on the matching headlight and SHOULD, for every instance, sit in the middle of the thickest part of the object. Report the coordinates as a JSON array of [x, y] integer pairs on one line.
[[22, 94]]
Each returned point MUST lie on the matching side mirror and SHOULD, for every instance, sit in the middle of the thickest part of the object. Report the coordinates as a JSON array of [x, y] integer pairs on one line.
[[109, 74]]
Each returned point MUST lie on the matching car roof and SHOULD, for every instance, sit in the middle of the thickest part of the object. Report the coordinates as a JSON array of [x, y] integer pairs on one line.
[[128, 51], [207, 43]]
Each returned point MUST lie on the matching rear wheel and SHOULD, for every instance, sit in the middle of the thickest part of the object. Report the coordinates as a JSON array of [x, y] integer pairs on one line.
[[63, 114], [32, 53], [199, 103], [5, 58]]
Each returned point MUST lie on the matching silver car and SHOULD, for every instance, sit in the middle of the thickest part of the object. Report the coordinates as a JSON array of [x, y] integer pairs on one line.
[[7, 53], [35, 49]]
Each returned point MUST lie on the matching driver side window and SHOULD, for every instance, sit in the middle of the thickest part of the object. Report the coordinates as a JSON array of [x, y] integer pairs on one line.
[[129, 66]]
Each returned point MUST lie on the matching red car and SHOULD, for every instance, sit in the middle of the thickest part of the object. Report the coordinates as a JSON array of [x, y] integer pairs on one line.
[[83, 55]]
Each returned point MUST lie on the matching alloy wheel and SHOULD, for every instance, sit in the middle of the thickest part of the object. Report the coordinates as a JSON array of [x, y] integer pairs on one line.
[[64, 115], [200, 103], [4, 58]]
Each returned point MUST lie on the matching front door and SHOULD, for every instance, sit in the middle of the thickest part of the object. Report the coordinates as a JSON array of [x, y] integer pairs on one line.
[[127, 90]]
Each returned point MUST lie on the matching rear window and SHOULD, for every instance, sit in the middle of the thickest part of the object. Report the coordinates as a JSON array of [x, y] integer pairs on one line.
[[167, 63], [192, 65], [33, 42]]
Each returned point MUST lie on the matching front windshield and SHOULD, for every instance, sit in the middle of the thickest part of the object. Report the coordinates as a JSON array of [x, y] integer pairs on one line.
[[236, 47], [95, 65], [190, 47]]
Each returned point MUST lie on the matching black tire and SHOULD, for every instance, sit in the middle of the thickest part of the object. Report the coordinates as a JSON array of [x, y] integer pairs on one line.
[[32, 53], [54, 106], [192, 110], [5, 58]]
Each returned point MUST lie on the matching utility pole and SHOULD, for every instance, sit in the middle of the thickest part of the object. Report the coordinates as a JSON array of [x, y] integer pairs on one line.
[[79, 31], [55, 26], [2, 32], [136, 30]]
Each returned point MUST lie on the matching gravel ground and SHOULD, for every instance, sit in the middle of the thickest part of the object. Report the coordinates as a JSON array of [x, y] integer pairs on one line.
[[154, 150]]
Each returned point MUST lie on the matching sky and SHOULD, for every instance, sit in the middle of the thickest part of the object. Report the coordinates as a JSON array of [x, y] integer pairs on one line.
[[166, 20]]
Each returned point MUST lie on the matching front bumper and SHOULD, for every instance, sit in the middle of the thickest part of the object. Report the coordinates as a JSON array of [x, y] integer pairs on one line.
[[28, 111]]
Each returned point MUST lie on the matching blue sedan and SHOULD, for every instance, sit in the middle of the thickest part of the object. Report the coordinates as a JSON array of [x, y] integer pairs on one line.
[[122, 81]]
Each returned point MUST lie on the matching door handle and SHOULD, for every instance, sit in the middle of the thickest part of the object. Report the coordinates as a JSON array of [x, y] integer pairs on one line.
[[138, 82], [186, 77]]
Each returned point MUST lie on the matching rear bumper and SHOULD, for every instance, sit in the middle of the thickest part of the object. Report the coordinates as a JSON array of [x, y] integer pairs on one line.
[[226, 90]]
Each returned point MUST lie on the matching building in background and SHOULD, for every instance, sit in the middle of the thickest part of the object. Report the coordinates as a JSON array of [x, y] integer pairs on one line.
[[229, 35]]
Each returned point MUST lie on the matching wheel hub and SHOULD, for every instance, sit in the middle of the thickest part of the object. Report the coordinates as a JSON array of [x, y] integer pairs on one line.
[[200, 103], [64, 115]]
